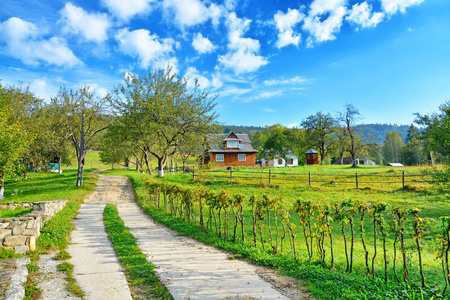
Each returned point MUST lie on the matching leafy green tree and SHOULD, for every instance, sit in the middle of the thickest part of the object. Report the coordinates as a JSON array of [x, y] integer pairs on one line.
[[413, 153], [436, 132], [84, 120], [278, 143], [14, 141], [392, 148], [320, 130], [160, 112]]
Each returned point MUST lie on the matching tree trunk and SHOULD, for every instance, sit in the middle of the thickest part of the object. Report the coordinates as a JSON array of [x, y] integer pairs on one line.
[[2, 187], [80, 172], [59, 165]]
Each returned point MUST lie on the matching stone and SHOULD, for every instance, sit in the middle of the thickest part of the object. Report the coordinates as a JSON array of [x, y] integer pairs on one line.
[[12, 225], [4, 233], [30, 232], [32, 243], [21, 249], [19, 229], [15, 240]]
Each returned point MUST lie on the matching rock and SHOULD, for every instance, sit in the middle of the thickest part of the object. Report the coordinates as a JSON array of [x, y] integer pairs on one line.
[[21, 249], [4, 233], [15, 241], [32, 243]]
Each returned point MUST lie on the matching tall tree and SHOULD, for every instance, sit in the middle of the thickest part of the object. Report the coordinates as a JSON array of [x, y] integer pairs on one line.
[[436, 132], [278, 143], [160, 112], [14, 141], [392, 148], [320, 130], [84, 120], [349, 118], [413, 150]]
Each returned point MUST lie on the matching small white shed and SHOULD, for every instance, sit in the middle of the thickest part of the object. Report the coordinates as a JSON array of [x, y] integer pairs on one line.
[[280, 162]]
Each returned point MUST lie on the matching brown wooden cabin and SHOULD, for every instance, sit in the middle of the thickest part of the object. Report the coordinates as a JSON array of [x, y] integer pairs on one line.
[[312, 157], [229, 150]]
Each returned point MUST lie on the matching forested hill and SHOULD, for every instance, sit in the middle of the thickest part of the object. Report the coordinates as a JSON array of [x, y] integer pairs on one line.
[[378, 131]]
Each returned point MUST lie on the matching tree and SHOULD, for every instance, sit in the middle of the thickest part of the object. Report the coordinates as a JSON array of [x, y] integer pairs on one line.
[[160, 112], [320, 130], [436, 132], [349, 118], [84, 119], [278, 143], [14, 140], [392, 148], [413, 150]]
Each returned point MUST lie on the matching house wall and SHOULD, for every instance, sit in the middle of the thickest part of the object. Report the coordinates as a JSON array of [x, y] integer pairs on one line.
[[231, 159], [312, 159]]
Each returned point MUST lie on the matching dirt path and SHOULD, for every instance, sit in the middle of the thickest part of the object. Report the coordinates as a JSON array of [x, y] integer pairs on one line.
[[192, 270]]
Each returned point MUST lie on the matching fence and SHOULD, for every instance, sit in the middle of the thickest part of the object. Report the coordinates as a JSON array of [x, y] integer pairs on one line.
[[309, 178]]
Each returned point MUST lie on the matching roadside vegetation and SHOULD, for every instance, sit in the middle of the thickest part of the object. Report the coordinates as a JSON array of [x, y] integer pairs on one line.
[[140, 273]]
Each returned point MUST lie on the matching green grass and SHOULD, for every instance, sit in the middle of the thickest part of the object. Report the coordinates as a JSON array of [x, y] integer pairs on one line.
[[138, 270], [326, 283], [12, 213]]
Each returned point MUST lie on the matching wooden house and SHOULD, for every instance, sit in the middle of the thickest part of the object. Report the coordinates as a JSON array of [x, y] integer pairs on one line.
[[229, 150], [311, 157]]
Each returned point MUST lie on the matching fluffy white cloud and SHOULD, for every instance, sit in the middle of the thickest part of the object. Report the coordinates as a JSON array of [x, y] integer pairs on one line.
[[293, 80], [188, 13], [24, 41], [147, 47], [361, 14], [242, 56], [202, 44], [324, 30], [41, 88], [192, 74], [393, 6], [125, 10], [93, 27], [285, 23]]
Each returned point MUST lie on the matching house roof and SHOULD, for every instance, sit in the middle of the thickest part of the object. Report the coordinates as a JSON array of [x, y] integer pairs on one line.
[[311, 151], [217, 146]]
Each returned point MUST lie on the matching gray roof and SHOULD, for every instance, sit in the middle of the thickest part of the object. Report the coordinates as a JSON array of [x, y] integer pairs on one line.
[[311, 151], [216, 143]]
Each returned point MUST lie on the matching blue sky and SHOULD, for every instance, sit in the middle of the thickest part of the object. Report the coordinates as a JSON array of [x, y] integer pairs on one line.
[[270, 61]]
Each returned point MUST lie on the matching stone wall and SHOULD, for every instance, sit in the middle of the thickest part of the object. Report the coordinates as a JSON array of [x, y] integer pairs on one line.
[[20, 233]]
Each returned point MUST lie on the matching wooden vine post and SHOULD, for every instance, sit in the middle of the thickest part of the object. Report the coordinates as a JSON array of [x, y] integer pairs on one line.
[[403, 179], [193, 173], [309, 178], [357, 182], [270, 175], [231, 174]]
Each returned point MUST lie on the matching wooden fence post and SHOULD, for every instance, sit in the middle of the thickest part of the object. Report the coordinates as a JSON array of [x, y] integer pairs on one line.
[[270, 175], [309, 178], [193, 173], [357, 183], [403, 179], [231, 175]]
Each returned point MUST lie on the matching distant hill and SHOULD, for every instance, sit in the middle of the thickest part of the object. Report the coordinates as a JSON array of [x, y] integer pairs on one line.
[[378, 131]]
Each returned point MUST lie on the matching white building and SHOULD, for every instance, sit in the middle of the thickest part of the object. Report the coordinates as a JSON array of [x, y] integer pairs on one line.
[[280, 162]]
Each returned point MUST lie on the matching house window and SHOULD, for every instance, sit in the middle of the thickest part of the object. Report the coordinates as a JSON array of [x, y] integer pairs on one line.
[[290, 162], [219, 157], [242, 157], [232, 144], [280, 161]]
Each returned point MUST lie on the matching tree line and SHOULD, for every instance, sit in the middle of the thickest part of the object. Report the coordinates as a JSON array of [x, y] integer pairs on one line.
[[336, 137]]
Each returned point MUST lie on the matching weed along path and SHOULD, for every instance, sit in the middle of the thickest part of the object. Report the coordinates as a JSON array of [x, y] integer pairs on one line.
[[189, 269]]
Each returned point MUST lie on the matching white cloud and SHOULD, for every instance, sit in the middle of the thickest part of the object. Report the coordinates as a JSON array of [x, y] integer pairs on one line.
[[187, 13], [192, 74], [202, 44], [234, 91], [324, 30], [393, 6], [361, 14], [293, 80], [242, 56], [125, 10], [264, 95], [230, 5], [285, 23], [99, 91], [93, 27], [148, 48], [41, 89], [24, 41]]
